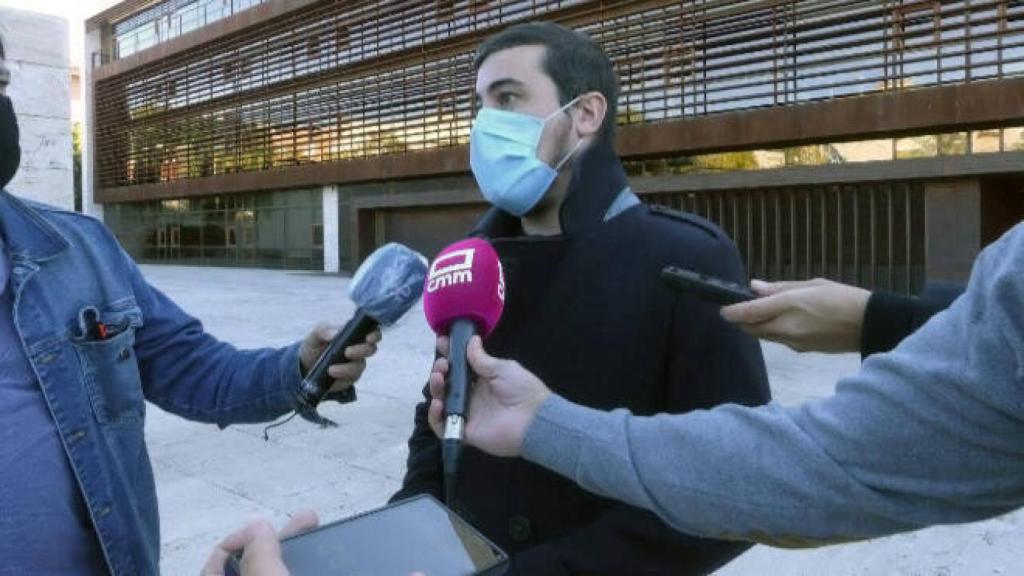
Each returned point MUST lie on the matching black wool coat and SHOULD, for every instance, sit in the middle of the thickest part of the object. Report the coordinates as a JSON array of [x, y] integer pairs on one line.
[[587, 312]]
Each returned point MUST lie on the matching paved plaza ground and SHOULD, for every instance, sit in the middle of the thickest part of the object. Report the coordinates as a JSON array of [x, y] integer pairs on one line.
[[209, 481]]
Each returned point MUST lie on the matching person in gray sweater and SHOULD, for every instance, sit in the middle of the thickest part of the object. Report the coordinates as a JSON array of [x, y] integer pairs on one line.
[[929, 433]]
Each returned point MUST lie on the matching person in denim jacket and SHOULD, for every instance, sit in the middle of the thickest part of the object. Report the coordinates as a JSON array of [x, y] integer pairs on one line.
[[85, 341]]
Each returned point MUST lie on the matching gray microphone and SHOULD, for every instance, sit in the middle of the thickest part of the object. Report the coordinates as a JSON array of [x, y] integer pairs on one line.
[[387, 284]]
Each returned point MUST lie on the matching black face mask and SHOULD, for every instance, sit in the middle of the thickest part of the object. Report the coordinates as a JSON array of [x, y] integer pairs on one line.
[[10, 150]]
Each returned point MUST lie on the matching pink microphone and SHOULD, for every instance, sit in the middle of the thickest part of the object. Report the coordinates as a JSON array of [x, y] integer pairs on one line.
[[464, 296]]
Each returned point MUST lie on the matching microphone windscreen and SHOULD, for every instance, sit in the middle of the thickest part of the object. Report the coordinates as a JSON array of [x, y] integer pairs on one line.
[[389, 282], [465, 281]]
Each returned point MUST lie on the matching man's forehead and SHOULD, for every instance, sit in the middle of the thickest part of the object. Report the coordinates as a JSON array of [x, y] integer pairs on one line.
[[517, 64]]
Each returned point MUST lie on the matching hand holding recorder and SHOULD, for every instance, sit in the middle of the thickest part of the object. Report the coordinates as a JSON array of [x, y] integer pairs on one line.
[[813, 315]]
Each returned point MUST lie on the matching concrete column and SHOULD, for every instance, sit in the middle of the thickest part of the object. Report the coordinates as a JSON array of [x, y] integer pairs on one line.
[[332, 231], [37, 55], [952, 229], [93, 45]]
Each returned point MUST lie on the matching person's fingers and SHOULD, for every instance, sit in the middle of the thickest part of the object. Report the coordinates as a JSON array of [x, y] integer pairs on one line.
[[233, 543], [260, 543], [301, 521], [314, 344], [325, 332], [262, 554], [214, 565], [360, 351], [347, 371], [763, 288], [374, 337], [440, 366], [436, 383], [435, 416], [761, 331], [237, 541], [756, 311], [781, 330], [485, 365], [443, 345]]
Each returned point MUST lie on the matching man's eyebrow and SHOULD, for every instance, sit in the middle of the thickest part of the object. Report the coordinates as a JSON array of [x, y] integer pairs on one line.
[[502, 83]]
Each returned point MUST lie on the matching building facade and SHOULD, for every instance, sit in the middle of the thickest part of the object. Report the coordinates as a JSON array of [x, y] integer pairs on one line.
[[36, 50], [875, 142]]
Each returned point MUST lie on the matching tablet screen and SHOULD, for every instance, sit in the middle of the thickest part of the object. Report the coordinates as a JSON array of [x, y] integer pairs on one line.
[[416, 535]]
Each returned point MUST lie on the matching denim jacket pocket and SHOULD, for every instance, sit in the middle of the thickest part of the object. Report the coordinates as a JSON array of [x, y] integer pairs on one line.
[[111, 373]]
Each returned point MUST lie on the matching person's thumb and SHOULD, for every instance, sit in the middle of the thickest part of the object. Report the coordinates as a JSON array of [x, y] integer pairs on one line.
[[262, 556], [301, 521], [485, 365], [324, 333], [756, 311], [762, 288]]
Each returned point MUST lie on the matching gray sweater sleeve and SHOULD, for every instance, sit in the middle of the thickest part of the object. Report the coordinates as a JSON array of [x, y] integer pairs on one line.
[[930, 433]]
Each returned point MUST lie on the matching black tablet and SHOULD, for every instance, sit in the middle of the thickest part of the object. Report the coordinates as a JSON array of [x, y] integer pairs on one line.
[[415, 535]]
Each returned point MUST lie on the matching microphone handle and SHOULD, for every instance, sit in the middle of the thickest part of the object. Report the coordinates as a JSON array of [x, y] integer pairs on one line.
[[456, 395], [317, 382], [456, 403]]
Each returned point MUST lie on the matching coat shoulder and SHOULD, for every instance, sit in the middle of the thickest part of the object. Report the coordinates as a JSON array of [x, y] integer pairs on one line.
[[685, 225]]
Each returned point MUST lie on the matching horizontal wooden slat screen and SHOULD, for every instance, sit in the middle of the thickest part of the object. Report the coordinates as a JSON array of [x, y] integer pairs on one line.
[[356, 79]]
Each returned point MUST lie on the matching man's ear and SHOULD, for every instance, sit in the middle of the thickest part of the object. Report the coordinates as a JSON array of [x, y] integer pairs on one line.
[[590, 111]]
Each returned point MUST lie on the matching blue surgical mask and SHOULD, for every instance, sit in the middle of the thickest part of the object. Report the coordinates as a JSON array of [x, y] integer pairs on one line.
[[503, 156]]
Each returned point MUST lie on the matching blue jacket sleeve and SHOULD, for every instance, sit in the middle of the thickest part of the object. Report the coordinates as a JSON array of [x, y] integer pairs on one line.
[[190, 373]]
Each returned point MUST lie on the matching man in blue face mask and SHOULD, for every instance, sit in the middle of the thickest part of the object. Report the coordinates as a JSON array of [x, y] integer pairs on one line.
[[584, 308]]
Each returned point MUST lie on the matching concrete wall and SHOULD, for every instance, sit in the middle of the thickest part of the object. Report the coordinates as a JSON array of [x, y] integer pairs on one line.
[[37, 55]]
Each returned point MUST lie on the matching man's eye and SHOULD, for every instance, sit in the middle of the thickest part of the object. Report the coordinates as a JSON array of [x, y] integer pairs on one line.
[[506, 99]]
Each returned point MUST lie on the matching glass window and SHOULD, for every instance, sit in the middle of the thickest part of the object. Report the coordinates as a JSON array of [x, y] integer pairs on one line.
[[1013, 139], [986, 141], [865, 150], [917, 147], [952, 144], [277, 229]]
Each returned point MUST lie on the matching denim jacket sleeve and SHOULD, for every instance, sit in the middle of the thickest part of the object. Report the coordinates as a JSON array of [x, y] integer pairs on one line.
[[190, 373]]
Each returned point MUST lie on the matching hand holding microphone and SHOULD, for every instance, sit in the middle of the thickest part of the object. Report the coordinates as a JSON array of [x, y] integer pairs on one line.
[[384, 288], [343, 376], [504, 400], [465, 295]]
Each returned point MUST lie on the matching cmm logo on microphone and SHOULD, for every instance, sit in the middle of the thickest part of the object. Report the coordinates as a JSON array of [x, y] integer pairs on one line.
[[451, 269]]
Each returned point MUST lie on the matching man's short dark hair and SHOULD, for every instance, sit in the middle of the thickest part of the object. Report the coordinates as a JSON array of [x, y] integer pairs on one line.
[[574, 62]]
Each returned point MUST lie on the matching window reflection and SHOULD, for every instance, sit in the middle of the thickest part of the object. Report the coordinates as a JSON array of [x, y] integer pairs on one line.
[[877, 150], [268, 230], [171, 19]]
